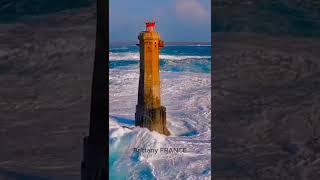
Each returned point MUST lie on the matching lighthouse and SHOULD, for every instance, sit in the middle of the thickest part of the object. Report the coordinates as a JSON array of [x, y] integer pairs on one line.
[[149, 112]]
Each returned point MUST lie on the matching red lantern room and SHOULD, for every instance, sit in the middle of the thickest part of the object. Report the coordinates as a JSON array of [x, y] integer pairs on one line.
[[150, 26]]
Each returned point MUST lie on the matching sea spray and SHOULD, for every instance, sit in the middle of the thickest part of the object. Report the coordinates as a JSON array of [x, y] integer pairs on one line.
[[186, 92]]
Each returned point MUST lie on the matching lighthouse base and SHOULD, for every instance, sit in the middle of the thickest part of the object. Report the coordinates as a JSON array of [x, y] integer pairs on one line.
[[153, 119]]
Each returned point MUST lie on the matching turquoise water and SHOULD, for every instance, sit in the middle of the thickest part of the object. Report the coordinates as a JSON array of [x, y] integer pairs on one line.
[[176, 59], [118, 171]]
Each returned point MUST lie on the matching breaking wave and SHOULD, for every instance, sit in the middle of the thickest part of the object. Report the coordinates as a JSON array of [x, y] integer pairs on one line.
[[118, 48], [185, 92], [136, 56], [194, 45], [187, 98]]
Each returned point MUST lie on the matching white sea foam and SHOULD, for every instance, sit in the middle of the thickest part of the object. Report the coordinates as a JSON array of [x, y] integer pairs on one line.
[[187, 99], [136, 56], [197, 45]]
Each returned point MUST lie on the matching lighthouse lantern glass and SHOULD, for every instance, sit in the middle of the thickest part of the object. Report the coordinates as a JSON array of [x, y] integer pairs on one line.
[[150, 26]]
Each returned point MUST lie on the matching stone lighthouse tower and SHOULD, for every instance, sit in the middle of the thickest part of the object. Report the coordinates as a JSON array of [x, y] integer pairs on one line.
[[149, 112]]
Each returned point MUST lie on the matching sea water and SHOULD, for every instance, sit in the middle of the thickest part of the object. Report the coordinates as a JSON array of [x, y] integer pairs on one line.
[[185, 92], [188, 58]]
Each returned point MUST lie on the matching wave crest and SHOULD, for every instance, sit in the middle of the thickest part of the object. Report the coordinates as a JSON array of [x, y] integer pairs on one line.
[[136, 56]]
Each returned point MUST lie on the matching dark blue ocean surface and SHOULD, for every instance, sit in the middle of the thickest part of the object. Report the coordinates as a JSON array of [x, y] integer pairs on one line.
[[11, 10], [173, 58]]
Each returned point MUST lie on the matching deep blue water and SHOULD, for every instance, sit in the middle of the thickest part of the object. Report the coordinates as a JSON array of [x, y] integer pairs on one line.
[[182, 58], [11, 10]]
